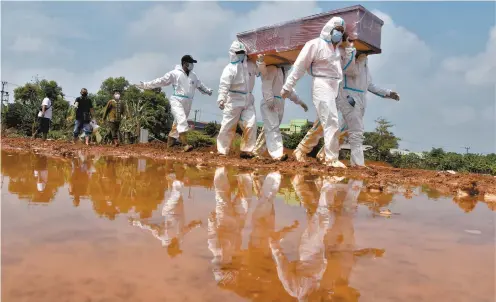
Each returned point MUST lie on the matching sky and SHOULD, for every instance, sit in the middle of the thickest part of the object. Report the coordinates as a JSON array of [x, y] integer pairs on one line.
[[439, 56]]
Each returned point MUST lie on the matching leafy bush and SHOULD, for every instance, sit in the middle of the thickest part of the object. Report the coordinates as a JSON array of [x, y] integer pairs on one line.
[[199, 139], [437, 159], [59, 135], [292, 140], [212, 129]]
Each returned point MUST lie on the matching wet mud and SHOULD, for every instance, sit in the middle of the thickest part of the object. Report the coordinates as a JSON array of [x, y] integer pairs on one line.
[[379, 177]]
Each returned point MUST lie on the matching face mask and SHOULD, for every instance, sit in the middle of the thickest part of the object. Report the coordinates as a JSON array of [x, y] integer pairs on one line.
[[191, 66], [336, 36], [241, 57], [117, 96]]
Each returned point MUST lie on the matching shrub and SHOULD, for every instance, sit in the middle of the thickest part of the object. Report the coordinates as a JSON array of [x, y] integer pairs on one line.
[[199, 139]]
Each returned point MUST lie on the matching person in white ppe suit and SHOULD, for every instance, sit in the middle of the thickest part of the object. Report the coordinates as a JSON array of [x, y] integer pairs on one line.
[[226, 224], [272, 108], [172, 230], [321, 58], [237, 102], [185, 82], [302, 277], [352, 101]]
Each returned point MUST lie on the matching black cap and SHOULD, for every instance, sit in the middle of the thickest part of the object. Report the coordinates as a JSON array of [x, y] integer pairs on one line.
[[188, 59]]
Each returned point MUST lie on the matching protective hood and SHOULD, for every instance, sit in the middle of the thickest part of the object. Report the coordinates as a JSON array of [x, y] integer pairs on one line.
[[235, 46], [333, 23]]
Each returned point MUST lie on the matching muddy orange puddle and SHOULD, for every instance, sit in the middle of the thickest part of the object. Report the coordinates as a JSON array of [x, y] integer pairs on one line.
[[110, 229]]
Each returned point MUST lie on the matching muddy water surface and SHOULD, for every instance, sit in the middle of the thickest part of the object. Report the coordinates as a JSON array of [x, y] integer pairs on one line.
[[126, 229]]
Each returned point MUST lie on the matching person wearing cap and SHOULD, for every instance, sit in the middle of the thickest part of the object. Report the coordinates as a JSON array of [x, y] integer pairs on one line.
[[114, 111], [184, 82]]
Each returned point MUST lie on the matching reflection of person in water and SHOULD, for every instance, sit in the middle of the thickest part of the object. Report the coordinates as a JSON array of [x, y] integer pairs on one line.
[[226, 223], [41, 173], [172, 231], [326, 251], [340, 243], [302, 277], [78, 185]]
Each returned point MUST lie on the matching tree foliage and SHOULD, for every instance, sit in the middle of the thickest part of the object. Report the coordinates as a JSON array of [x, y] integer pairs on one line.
[[438, 159], [22, 114], [212, 128], [292, 140], [381, 139]]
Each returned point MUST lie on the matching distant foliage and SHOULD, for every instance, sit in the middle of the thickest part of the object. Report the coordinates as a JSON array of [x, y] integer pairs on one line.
[[149, 109], [382, 141], [291, 141], [22, 114], [212, 129], [199, 139], [437, 159]]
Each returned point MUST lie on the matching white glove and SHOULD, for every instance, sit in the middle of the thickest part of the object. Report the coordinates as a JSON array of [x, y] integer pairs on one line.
[[284, 94], [221, 105], [260, 58], [304, 106]]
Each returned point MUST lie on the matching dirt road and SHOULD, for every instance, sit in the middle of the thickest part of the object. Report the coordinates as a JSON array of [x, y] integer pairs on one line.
[[460, 185]]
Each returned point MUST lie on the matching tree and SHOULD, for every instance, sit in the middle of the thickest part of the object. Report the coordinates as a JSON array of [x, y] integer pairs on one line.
[[291, 141], [148, 109], [22, 114], [381, 140]]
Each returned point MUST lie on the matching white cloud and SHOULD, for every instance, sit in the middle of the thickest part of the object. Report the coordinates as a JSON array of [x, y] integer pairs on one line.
[[480, 69], [36, 45], [443, 102]]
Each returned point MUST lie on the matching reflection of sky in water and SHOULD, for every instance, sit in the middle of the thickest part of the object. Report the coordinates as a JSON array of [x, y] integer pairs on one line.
[[148, 230]]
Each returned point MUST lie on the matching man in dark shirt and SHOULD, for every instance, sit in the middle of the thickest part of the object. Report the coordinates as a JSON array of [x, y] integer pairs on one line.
[[84, 114]]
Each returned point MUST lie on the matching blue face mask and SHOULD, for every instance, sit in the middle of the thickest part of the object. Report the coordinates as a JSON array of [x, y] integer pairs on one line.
[[336, 36], [241, 57]]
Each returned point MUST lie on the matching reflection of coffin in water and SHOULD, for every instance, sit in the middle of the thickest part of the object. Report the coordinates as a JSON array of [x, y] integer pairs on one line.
[[281, 43]]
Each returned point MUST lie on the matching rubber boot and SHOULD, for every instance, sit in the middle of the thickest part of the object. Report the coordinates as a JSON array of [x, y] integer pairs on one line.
[[184, 142], [300, 156], [337, 164], [45, 135], [171, 141], [321, 155], [284, 157]]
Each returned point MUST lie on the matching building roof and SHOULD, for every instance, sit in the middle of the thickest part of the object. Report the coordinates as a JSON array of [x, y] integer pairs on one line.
[[284, 126], [299, 121]]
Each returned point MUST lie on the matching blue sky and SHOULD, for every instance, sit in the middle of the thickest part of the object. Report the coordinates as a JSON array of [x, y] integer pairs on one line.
[[437, 55]]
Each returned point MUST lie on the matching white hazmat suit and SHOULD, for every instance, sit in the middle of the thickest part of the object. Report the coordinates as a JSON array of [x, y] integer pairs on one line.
[[237, 101], [322, 60], [357, 81], [272, 109], [313, 136], [181, 100]]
